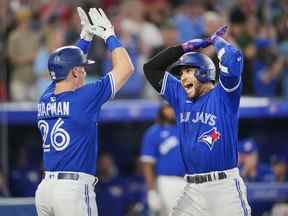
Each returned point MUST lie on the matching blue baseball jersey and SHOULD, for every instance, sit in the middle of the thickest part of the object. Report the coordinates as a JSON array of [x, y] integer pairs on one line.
[[68, 125], [161, 145], [208, 125]]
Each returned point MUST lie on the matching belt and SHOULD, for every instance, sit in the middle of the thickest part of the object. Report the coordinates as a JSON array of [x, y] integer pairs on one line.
[[70, 176], [199, 179]]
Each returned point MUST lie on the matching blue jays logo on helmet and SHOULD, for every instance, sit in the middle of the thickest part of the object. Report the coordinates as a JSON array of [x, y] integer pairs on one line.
[[63, 59], [210, 137], [206, 70]]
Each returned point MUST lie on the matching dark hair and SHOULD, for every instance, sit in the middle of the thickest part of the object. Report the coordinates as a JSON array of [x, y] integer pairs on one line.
[[236, 16], [161, 117]]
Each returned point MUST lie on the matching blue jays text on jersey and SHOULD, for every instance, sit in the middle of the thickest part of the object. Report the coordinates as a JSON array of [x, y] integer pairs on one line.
[[68, 125], [205, 118], [208, 125], [161, 145]]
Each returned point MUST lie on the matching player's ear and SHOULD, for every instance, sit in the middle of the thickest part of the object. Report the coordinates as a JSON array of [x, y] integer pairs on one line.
[[74, 73]]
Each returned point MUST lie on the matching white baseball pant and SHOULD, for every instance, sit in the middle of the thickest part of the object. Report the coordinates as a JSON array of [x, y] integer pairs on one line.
[[169, 189], [62, 197], [224, 197]]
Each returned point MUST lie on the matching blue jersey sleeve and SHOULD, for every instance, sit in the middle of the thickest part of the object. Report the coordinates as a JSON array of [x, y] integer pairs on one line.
[[149, 147], [171, 88], [231, 67], [94, 95]]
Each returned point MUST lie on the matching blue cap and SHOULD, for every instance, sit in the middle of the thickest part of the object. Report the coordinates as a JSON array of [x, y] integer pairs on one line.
[[247, 146]]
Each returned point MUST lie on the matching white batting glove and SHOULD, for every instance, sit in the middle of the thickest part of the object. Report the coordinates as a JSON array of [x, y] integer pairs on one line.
[[154, 200], [86, 33], [101, 25]]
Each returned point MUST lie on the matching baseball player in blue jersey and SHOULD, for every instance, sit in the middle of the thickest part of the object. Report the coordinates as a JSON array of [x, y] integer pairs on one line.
[[207, 119], [68, 112], [160, 147]]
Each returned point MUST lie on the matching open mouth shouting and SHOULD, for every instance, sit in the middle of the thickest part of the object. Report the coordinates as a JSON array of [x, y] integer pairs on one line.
[[189, 88]]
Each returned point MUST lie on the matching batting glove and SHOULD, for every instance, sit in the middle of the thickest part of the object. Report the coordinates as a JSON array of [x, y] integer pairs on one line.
[[219, 33], [154, 200], [86, 33], [195, 44], [102, 26]]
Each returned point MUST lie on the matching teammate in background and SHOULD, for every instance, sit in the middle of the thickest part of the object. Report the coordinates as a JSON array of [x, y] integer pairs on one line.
[[279, 167], [250, 169], [162, 163], [207, 120], [68, 112]]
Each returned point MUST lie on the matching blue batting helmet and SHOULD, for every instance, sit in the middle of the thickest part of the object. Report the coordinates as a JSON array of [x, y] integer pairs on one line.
[[206, 70], [63, 59]]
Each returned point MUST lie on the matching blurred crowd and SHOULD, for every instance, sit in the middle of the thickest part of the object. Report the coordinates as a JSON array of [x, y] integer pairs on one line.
[[33, 28]]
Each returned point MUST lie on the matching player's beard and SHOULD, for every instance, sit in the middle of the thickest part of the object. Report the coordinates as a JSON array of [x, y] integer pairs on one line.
[[194, 91]]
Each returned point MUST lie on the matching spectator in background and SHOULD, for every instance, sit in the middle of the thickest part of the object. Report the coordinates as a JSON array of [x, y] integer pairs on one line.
[[170, 38], [157, 11], [22, 48], [169, 35], [244, 39], [267, 67], [212, 21], [52, 39], [24, 177], [283, 51], [189, 20], [4, 191], [250, 168], [135, 25], [279, 167], [163, 167]]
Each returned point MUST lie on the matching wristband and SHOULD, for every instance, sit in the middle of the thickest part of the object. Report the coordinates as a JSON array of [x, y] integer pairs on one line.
[[112, 43], [83, 45]]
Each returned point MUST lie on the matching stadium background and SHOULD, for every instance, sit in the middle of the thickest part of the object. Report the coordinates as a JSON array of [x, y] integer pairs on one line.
[[30, 29]]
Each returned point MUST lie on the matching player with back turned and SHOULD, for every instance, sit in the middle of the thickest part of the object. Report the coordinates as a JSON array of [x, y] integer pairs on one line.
[[68, 112], [207, 119]]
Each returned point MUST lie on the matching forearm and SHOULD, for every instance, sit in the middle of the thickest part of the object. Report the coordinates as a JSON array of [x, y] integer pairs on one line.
[[230, 63], [230, 58], [149, 175], [122, 67], [155, 68]]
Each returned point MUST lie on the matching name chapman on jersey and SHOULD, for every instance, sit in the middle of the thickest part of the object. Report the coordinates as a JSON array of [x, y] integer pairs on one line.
[[53, 109], [202, 117]]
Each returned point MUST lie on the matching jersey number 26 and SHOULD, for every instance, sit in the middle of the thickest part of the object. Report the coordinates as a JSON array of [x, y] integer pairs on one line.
[[59, 138]]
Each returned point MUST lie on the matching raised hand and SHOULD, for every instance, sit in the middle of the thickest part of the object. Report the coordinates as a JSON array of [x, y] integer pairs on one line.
[[86, 32], [220, 32], [101, 25], [196, 44]]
